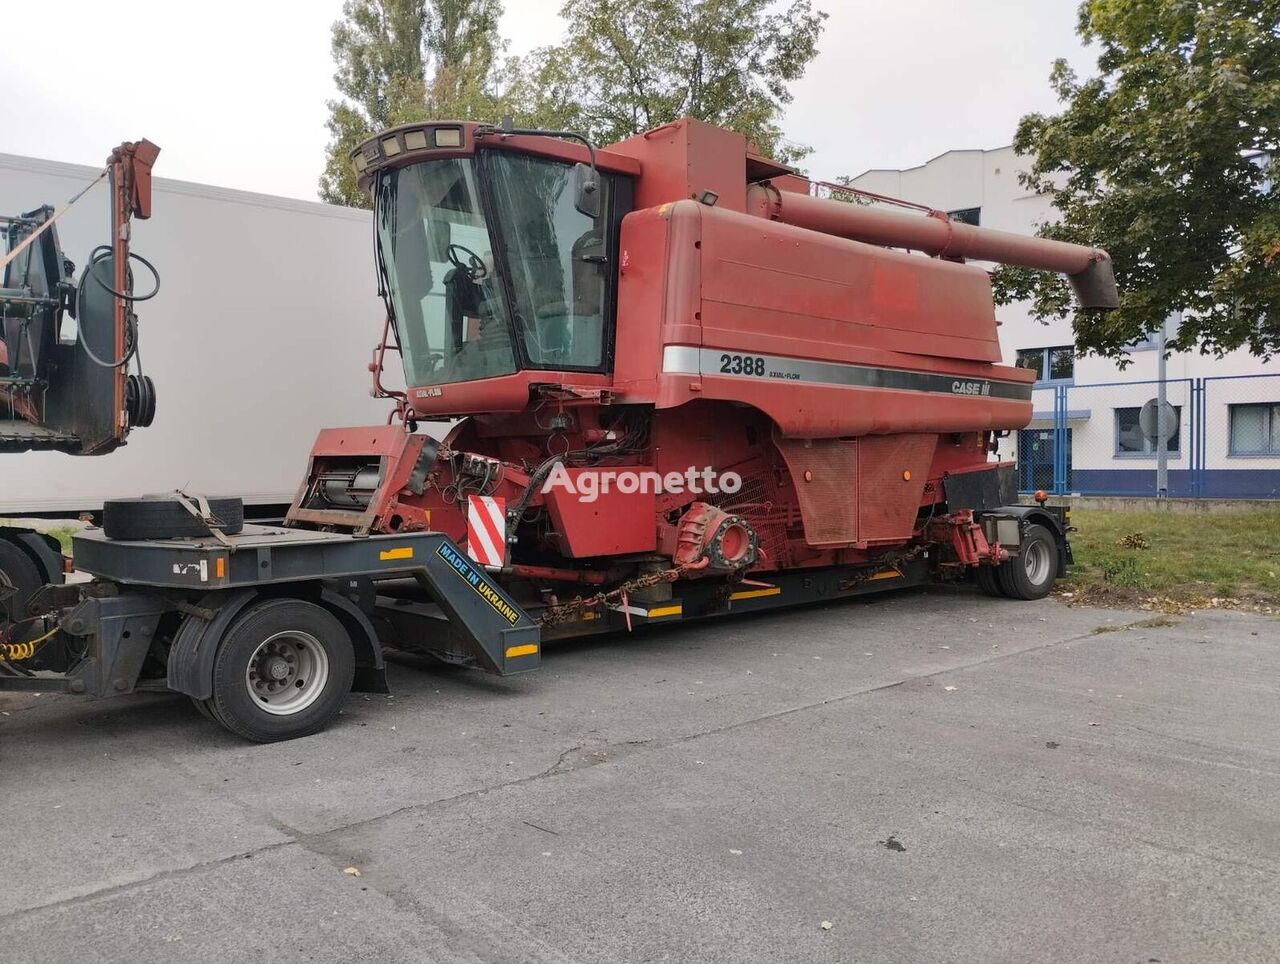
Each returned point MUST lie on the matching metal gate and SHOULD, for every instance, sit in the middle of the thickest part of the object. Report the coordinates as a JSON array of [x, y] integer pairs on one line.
[[1038, 459]]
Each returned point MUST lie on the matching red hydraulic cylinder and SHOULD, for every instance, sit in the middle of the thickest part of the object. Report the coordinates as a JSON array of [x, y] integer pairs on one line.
[[1088, 269]]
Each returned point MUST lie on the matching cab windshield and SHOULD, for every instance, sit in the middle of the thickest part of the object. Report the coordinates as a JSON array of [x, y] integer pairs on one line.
[[556, 256], [434, 242], [452, 312]]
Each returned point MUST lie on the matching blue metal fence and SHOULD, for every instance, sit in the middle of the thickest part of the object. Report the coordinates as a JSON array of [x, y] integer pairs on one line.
[[1085, 439]]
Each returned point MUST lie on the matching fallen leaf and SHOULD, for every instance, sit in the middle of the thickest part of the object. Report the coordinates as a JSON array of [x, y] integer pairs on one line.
[[949, 689], [826, 925], [352, 871]]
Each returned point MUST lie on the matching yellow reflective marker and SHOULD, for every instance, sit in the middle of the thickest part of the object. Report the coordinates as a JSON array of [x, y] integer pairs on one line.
[[528, 649], [665, 611], [401, 552], [757, 593], [887, 574]]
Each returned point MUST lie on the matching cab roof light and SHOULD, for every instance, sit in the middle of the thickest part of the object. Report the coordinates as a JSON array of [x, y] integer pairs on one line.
[[448, 136], [390, 146], [415, 140]]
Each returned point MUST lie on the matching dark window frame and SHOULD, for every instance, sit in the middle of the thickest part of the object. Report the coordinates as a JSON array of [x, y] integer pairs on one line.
[[1271, 412], [1044, 370], [1149, 448], [621, 195]]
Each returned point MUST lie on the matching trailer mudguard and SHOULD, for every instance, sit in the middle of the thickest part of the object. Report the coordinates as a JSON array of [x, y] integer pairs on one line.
[[1053, 518], [40, 549], [196, 642], [371, 669]]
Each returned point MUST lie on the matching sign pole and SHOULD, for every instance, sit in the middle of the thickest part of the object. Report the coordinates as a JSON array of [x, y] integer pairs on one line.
[[1164, 432]]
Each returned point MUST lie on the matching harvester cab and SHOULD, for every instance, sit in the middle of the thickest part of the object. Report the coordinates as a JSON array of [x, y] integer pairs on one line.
[[493, 261]]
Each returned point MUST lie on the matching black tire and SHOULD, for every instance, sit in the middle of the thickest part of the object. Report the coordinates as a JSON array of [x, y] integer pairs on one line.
[[24, 576], [988, 581], [268, 628], [1031, 574], [164, 517], [203, 708], [46, 553]]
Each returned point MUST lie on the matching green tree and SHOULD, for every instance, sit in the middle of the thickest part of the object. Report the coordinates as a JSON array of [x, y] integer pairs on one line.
[[1168, 160], [404, 60], [629, 65]]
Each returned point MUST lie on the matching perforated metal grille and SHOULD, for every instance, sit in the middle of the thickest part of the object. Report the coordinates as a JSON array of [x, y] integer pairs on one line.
[[888, 499], [756, 502], [824, 472]]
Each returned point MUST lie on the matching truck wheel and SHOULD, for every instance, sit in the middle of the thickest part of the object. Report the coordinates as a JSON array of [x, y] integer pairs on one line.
[[164, 517], [19, 578], [1032, 573], [283, 670]]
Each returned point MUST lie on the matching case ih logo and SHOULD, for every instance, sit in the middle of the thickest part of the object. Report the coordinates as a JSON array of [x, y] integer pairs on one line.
[[970, 388]]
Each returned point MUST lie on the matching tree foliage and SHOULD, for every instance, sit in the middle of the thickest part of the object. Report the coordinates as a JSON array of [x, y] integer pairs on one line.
[[405, 60], [629, 65], [1168, 160], [624, 66]]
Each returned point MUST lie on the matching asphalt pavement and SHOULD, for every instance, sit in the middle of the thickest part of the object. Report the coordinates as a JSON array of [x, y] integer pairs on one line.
[[924, 776]]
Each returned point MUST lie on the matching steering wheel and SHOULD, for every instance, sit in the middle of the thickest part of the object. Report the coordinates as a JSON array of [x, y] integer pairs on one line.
[[464, 259]]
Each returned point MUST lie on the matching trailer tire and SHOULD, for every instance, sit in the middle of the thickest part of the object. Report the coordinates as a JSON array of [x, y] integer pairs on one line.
[[23, 575], [283, 670], [205, 710], [1032, 573], [164, 517], [988, 580]]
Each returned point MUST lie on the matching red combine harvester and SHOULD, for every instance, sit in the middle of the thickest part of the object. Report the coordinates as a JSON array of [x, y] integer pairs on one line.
[[686, 386], [678, 303]]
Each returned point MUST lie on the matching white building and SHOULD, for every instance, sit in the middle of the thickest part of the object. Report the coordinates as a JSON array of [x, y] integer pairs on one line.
[[1228, 440]]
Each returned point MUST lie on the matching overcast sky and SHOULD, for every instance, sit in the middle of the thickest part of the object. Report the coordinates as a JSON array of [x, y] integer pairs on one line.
[[234, 92]]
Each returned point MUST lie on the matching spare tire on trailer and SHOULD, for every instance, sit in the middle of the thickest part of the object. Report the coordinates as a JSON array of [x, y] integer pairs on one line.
[[162, 516]]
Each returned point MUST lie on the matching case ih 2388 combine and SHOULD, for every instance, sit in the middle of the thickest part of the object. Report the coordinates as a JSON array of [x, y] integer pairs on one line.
[[615, 330]]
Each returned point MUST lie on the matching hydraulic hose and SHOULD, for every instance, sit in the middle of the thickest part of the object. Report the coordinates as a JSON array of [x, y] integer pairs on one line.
[[97, 257]]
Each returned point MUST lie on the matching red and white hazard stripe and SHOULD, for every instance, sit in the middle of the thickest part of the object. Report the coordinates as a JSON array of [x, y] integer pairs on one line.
[[487, 530]]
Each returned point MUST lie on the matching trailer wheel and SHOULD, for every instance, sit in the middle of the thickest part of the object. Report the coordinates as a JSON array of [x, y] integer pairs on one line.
[[1031, 575], [282, 671], [19, 578]]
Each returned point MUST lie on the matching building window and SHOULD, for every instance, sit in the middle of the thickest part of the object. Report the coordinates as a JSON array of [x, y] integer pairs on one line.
[[966, 216], [1050, 364], [1255, 429], [1131, 442], [1151, 340]]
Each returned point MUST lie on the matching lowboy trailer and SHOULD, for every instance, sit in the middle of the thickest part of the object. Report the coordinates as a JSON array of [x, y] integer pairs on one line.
[[683, 385]]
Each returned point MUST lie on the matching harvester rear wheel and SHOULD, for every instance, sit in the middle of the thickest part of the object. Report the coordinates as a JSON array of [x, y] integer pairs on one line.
[[1031, 574], [988, 580]]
